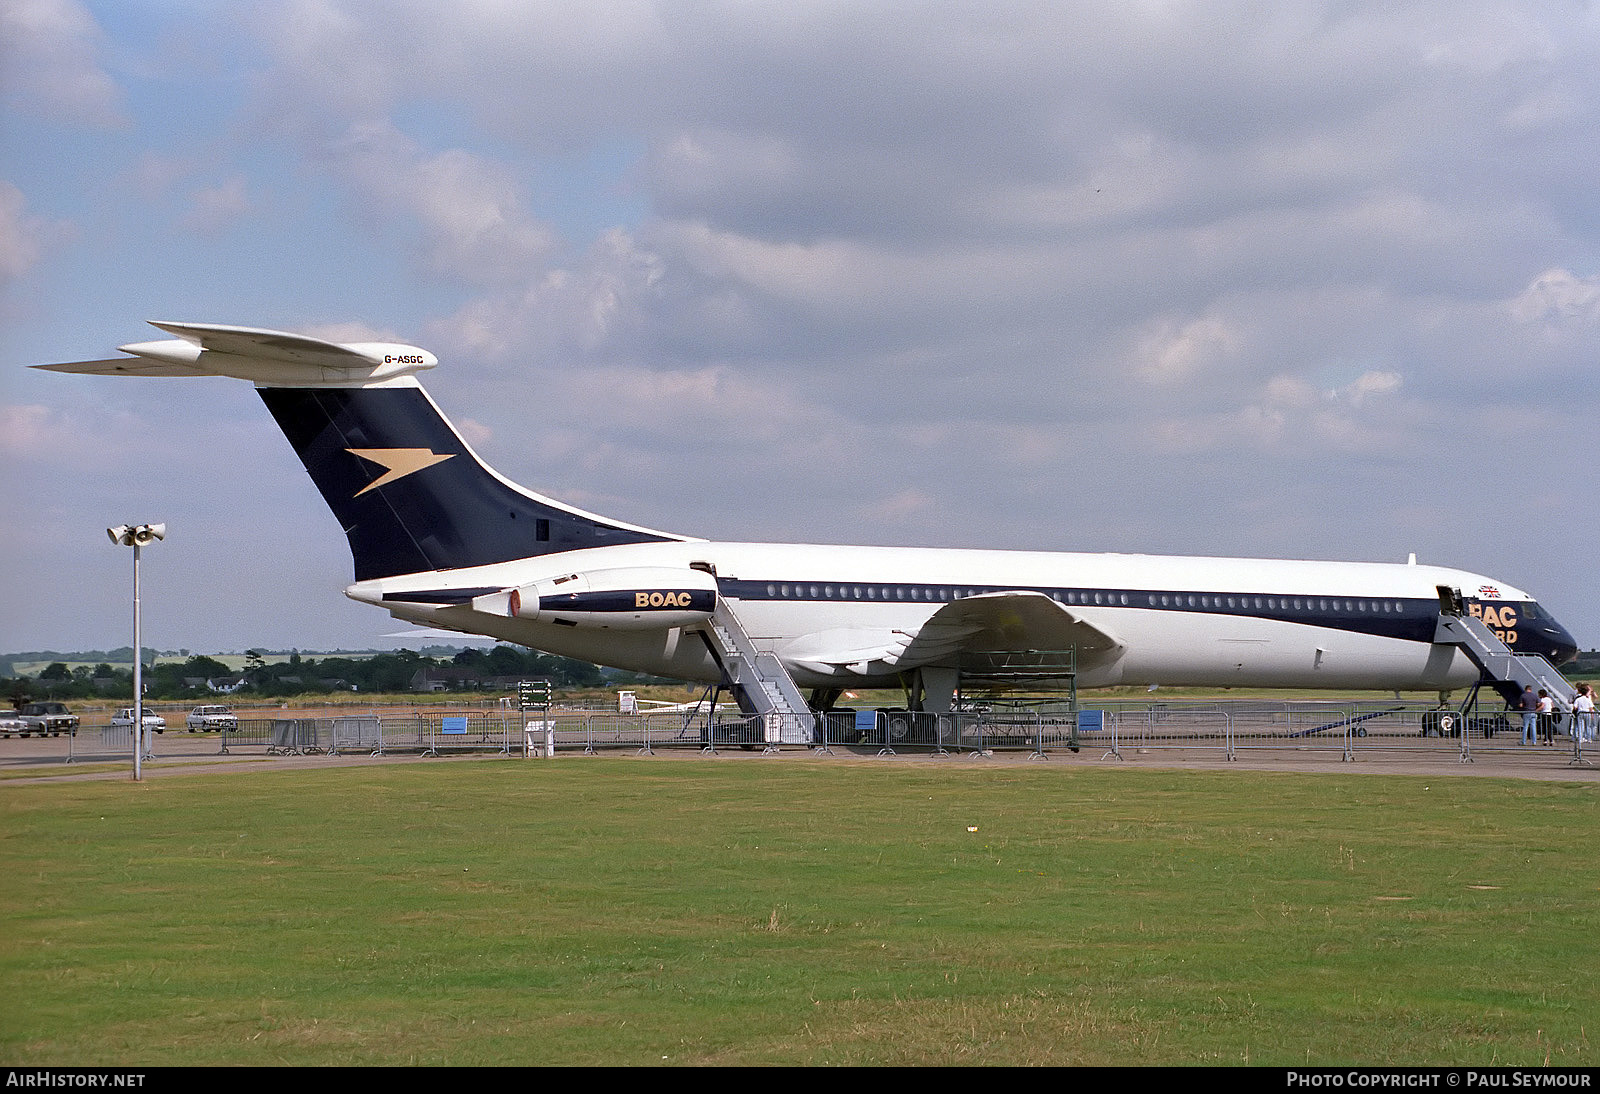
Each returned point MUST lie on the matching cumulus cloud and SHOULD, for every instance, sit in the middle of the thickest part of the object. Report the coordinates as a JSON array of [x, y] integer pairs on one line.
[[469, 211], [900, 507], [49, 64], [1291, 415], [39, 434], [1369, 385], [154, 175], [1558, 296], [1173, 352], [214, 209], [24, 238], [560, 312], [353, 330], [25, 429]]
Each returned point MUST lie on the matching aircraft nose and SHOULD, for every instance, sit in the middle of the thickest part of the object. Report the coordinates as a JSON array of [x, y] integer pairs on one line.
[[1563, 646]]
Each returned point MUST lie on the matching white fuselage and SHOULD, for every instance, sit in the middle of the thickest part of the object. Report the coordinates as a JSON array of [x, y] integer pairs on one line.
[[1177, 620]]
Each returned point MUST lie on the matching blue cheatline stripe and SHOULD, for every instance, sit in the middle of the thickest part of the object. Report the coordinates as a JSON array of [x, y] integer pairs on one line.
[[1390, 617], [441, 596], [627, 600]]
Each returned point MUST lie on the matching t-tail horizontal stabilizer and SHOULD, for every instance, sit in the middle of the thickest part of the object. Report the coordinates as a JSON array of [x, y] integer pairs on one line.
[[270, 358]]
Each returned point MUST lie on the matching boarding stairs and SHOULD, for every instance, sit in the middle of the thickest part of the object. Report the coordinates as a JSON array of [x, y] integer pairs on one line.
[[759, 680], [1508, 672]]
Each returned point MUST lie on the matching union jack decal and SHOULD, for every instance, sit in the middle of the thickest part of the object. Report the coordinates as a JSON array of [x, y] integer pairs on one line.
[[1489, 592]]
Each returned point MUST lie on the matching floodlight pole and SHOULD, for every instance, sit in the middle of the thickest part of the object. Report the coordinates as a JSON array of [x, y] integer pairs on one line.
[[138, 674], [136, 537]]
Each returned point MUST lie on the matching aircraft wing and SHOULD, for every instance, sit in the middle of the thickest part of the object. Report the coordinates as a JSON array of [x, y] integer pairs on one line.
[[126, 366], [993, 621]]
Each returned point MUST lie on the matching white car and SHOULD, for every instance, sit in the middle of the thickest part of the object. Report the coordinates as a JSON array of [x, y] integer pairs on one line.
[[11, 722], [48, 717], [123, 719], [212, 719]]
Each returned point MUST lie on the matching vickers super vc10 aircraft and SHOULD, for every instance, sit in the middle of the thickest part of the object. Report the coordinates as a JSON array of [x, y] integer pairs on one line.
[[440, 539]]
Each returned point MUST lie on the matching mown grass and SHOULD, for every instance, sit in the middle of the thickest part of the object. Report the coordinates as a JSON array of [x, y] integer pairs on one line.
[[753, 912]]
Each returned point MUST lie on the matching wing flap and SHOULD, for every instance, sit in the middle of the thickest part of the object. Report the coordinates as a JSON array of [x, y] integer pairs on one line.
[[1006, 621]]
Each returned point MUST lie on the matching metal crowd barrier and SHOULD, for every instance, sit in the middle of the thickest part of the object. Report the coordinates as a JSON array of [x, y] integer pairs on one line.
[[894, 731], [429, 733], [296, 737], [97, 743], [1114, 728], [1350, 729], [250, 732], [471, 733], [886, 730], [355, 733], [746, 731]]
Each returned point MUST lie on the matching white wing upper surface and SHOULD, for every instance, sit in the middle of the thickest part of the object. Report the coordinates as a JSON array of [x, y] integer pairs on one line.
[[986, 623], [267, 357]]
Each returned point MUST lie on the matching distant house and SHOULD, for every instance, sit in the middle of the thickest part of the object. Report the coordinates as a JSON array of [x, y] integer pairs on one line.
[[216, 685], [457, 678], [429, 679]]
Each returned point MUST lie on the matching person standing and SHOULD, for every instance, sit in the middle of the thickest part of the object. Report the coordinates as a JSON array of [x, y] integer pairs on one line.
[[1530, 716], [1547, 722], [1583, 715]]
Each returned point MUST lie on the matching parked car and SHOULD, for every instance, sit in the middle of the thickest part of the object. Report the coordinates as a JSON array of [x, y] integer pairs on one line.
[[49, 717], [212, 719], [11, 722], [123, 719]]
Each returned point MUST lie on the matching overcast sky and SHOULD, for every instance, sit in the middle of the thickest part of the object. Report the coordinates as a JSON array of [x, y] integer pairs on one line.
[[1306, 280]]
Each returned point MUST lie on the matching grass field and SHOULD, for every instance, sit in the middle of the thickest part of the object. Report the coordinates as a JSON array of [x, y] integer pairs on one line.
[[624, 911]]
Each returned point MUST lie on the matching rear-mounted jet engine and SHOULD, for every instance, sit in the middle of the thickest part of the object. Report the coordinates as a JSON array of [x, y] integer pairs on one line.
[[631, 598]]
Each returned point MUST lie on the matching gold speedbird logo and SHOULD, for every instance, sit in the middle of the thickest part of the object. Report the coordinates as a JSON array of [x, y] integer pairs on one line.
[[399, 463]]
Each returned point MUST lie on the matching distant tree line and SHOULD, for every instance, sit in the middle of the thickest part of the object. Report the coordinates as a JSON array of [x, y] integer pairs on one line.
[[194, 677], [120, 655]]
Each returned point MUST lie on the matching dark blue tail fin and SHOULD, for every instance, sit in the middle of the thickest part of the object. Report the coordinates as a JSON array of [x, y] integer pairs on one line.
[[409, 493]]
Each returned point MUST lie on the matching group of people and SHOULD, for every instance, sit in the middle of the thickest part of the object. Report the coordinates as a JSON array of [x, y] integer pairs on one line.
[[1539, 716], [1584, 715]]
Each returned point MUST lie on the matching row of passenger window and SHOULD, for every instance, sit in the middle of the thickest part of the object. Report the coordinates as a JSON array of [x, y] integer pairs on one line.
[[1202, 601], [870, 592], [1271, 603]]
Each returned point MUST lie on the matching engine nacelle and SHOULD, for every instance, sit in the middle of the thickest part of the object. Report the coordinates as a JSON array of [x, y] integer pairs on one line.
[[628, 598]]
